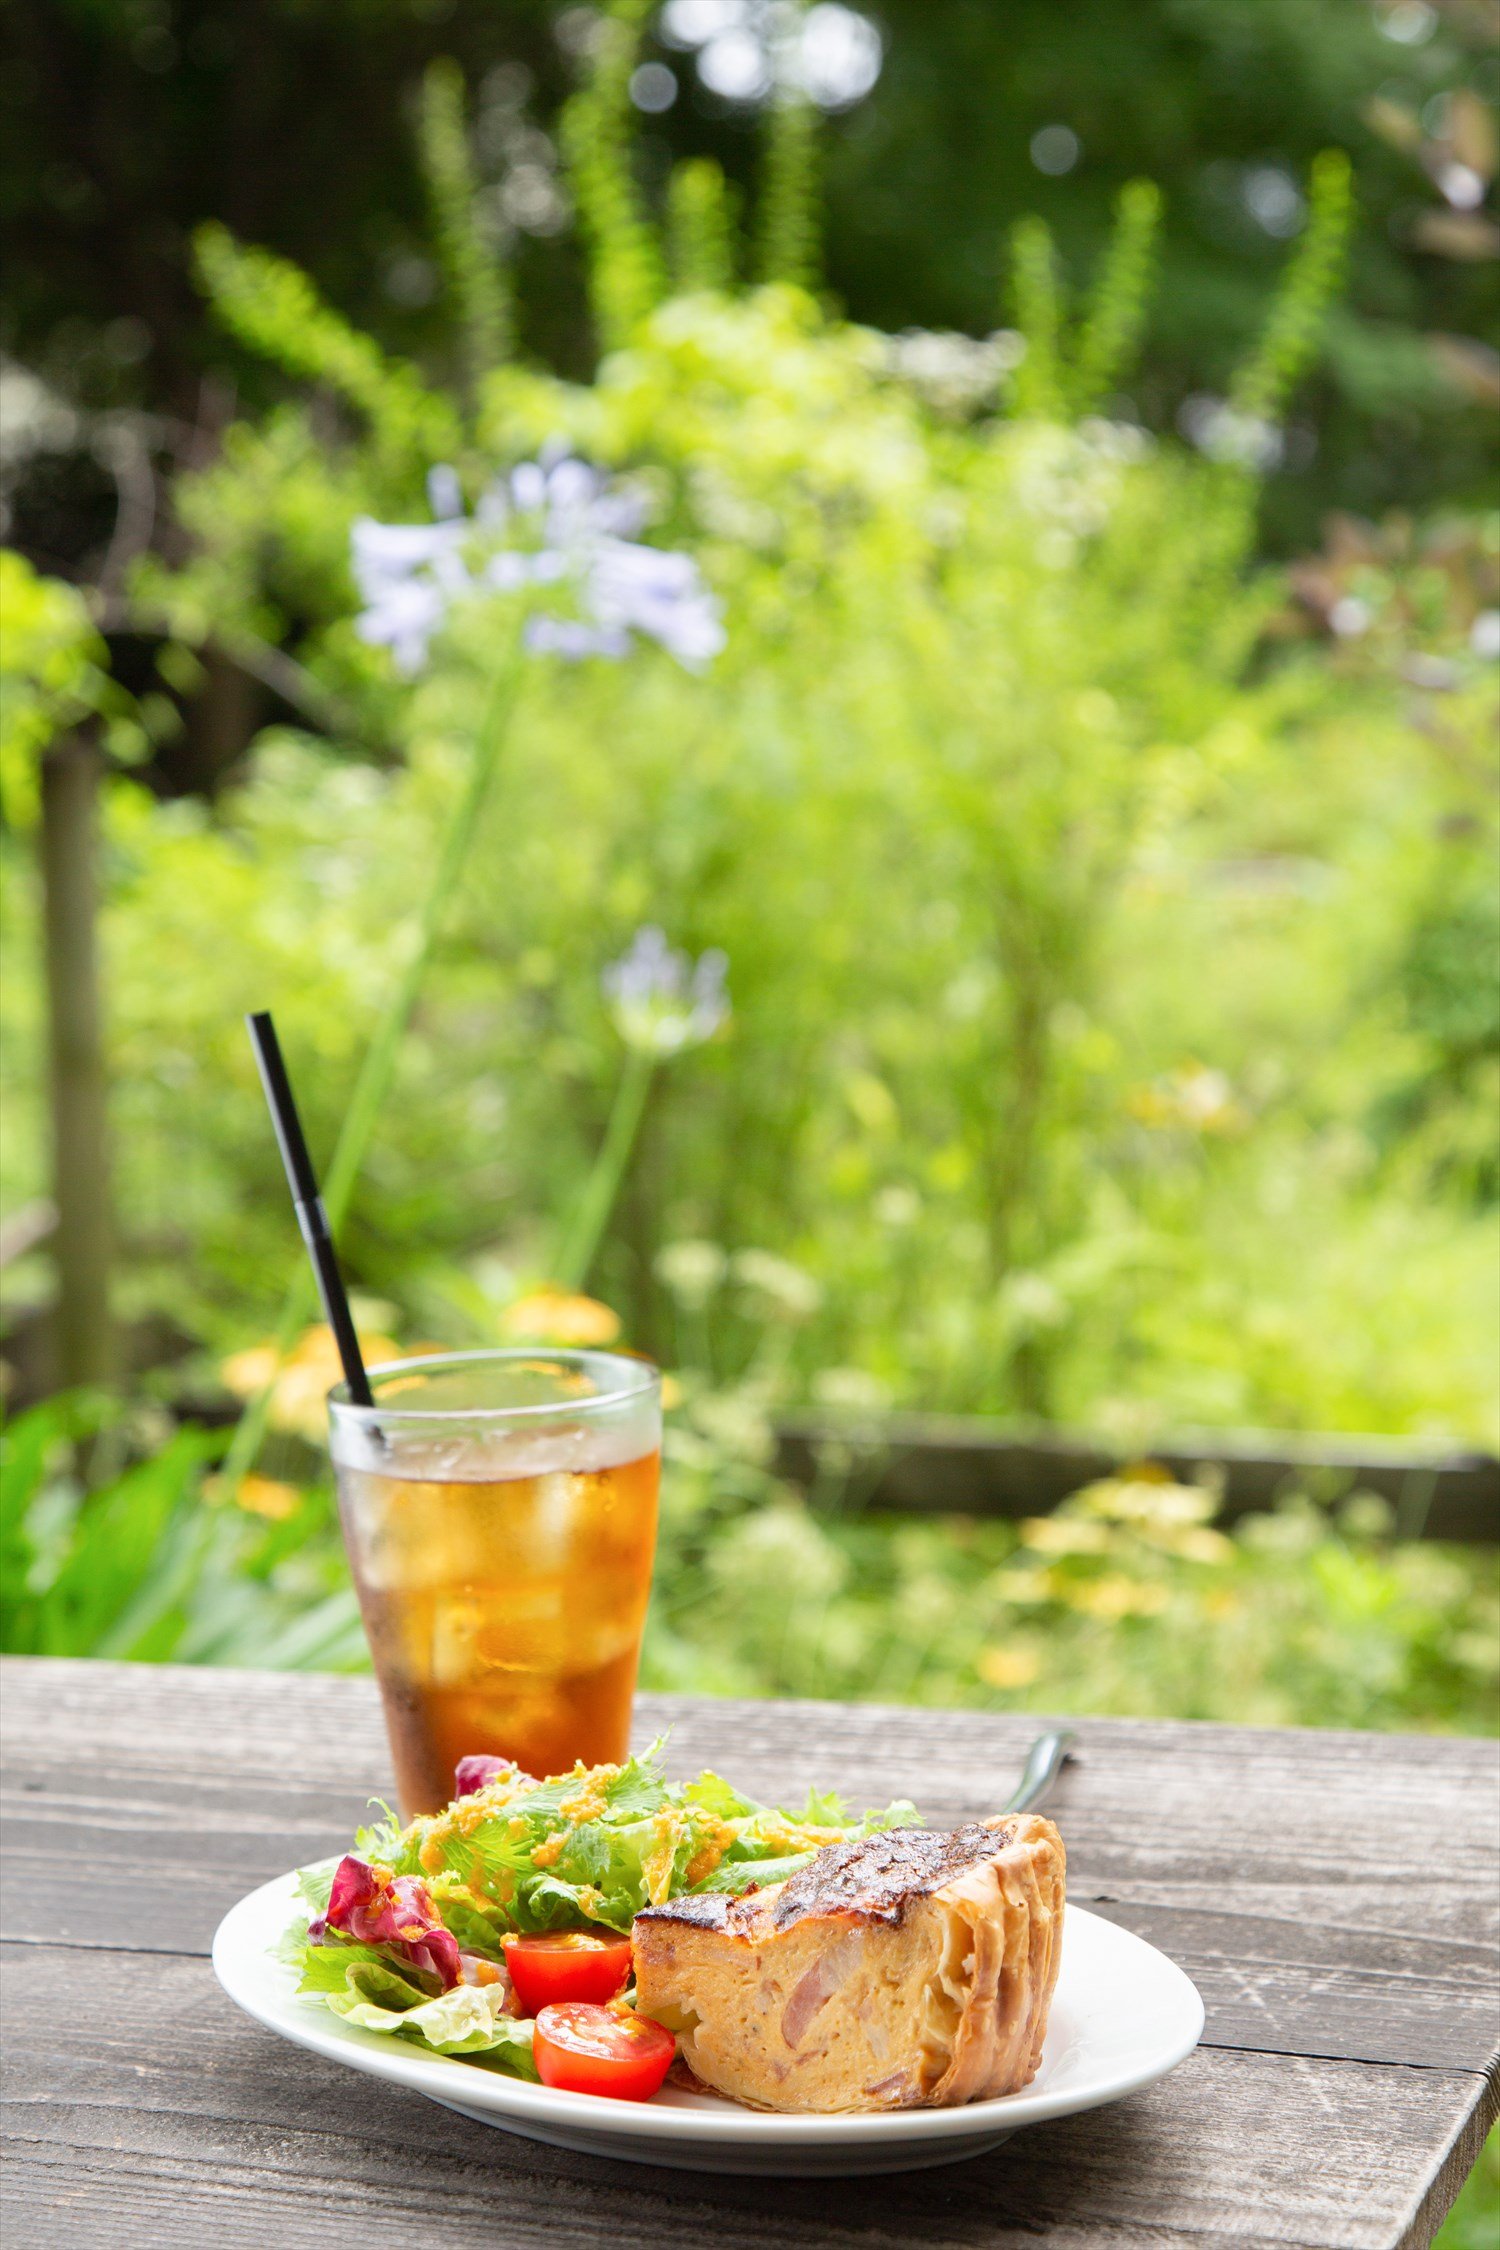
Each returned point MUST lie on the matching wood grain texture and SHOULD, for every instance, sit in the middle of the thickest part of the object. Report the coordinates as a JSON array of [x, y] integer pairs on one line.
[[1334, 1896], [163, 2084]]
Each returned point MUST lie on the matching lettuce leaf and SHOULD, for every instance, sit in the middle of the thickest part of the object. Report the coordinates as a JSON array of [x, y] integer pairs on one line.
[[589, 1847], [381, 1838], [469, 2020], [315, 1885], [899, 1813], [719, 1797], [366, 1971], [395, 1912], [553, 1903], [737, 1875], [478, 1770], [364, 1986], [551, 1855], [824, 1806], [477, 1925]]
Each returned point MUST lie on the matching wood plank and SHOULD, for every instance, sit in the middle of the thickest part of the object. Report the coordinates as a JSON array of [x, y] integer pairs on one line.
[[1298, 1987], [1276, 1865], [144, 2110]]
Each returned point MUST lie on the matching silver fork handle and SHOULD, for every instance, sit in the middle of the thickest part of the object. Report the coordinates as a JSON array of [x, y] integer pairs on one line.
[[1044, 1762]]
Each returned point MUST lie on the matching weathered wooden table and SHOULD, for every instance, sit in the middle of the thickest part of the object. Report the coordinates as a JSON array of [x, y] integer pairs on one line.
[[1334, 1895]]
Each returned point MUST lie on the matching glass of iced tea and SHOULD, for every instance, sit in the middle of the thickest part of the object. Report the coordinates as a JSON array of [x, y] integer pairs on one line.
[[500, 1514]]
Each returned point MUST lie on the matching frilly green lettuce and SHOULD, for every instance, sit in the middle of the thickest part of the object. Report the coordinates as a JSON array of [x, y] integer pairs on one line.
[[469, 2021], [597, 1845], [361, 1984]]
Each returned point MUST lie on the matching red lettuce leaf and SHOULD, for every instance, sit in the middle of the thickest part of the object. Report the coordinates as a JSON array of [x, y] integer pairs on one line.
[[395, 1911], [478, 1770]]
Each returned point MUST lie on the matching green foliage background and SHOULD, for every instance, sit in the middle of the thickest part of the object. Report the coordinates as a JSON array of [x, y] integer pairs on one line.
[[128, 125], [1109, 941], [1109, 1034]]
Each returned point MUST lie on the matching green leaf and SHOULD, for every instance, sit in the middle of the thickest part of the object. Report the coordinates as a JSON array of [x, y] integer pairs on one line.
[[315, 1885], [54, 671], [341, 1970], [134, 1549], [789, 234], [701, 224], [824, 1808], [736, 1875], [900, 1813], [604, 1868], [640, 1786], [382, 1839], [477, 1929], [552, 1903], [471, 254], [1290, 338], [626, 269], [272, 306], [720, 1797], [469, 2020]]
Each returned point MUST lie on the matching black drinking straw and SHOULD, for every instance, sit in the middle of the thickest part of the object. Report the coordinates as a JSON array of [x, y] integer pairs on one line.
[[308, 1203]]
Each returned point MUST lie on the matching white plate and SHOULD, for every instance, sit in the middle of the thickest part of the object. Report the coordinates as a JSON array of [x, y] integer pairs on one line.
[[1122, 2016]]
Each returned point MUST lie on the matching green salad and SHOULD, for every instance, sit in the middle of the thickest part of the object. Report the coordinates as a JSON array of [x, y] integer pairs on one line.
[[407, 1933]]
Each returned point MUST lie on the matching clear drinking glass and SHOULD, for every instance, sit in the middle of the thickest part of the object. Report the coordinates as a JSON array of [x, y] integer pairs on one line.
[[499, 1509]]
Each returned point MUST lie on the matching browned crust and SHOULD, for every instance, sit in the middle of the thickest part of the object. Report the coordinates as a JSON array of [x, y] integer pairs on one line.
[[712, 1910], [874, 1879]]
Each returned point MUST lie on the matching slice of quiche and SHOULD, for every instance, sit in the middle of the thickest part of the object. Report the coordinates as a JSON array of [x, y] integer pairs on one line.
[[910, 1969]]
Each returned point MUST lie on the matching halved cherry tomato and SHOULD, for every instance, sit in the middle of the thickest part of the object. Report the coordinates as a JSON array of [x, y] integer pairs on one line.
[[566, 1965], [590, 2050]]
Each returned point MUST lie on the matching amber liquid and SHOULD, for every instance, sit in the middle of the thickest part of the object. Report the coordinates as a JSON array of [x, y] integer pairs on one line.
[[503, 1615]]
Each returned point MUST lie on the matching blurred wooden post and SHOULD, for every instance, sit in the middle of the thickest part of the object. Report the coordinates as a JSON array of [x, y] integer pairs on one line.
[[82, 1242]]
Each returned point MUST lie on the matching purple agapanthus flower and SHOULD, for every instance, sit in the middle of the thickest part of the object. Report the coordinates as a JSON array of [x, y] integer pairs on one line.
[[660, 1000], [553, 521]]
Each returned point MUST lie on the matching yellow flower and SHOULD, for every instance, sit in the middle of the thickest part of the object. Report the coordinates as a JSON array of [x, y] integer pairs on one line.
[[299, 1393], [1193, 1098], [1145, 1497], [1195, 1543], [1064, 1535], [1114, 1597], [1023, 1586], [552, 1316], [1007, 1667], [247, 1373], [263, 1496]]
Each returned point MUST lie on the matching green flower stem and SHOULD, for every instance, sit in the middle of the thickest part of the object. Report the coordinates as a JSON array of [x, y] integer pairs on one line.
[[581, 1243], [378, 1068]]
